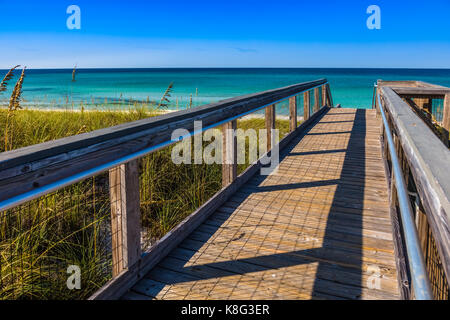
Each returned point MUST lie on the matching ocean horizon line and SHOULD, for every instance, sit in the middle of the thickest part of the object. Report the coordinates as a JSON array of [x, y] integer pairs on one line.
[[230, 68]]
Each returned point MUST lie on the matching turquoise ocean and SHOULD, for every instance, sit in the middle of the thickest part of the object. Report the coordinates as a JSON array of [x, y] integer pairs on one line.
[[53, 88]]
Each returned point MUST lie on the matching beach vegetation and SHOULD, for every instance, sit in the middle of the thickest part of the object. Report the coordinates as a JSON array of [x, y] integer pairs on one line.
[[40, 239]]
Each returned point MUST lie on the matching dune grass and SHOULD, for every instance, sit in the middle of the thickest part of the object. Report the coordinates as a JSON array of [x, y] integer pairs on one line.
[[40, 239]]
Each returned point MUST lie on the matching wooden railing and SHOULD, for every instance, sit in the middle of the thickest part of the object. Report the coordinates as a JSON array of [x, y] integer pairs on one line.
[[420, 96], [32, 172], [425, 161]]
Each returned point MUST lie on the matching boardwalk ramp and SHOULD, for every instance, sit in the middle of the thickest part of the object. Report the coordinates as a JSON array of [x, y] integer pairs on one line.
[[317, 228]]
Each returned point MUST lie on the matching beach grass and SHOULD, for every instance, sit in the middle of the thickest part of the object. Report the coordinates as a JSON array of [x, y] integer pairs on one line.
[[40, 239]]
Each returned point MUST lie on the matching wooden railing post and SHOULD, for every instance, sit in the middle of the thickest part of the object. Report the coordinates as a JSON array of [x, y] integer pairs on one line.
[[270, 124], [422, 227], [316, 99], [292, 113], [125, 216], [229, 153], [377, 106], [393, 195], [446, 115], [329, 97], [324, 95], [306, 105]]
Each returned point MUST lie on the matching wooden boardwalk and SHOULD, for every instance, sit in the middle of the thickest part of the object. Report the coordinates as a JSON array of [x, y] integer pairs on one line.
[[319, 228]]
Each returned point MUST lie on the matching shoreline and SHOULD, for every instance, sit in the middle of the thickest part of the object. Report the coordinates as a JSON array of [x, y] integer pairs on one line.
[[155, 111]]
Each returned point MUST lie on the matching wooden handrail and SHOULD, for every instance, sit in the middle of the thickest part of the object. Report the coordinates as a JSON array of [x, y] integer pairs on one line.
[[420, 91], [25, 170], [399, 195], [423, 94], [428, 161]]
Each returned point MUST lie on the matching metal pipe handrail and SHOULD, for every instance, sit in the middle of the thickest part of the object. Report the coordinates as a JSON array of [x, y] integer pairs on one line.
[[64, 182], [419, 275], [135, 129]]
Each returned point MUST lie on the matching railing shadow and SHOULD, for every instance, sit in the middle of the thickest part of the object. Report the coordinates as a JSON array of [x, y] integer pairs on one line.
[[343, 191]]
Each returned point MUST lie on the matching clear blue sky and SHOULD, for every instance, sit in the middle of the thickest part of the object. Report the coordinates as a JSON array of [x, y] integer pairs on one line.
[[225, 33]]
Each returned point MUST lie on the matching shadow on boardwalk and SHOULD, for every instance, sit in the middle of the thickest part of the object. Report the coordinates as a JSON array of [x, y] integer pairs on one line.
[[336, 259]]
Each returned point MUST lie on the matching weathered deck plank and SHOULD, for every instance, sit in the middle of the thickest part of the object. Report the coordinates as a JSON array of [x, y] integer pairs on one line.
[[319, 228]]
